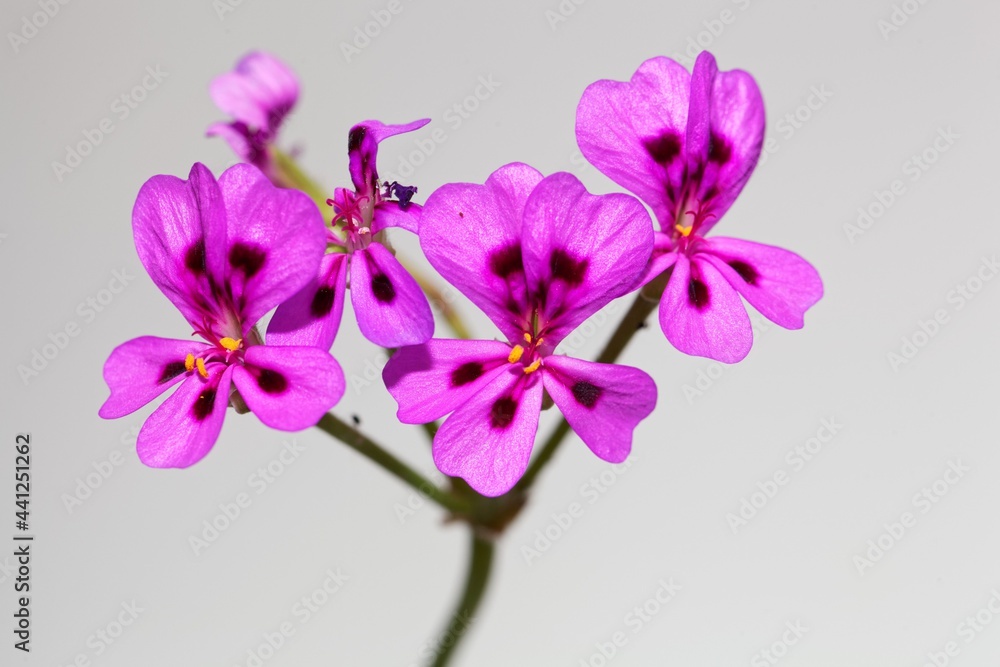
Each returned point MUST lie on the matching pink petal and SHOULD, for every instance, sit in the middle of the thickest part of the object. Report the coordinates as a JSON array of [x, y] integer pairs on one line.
[[259, 92], [430, 380], [362, 149], [777, 282], [725, 133], [634, 132], [389, 213], [289, 388], [488, 440], [236, 139], [275, 241], [180, 236], [390, 306], [472, 235], [180, 432], [143, 368], [602, 402], [702, 315], [581, 250], [663, 258], [312, 316]]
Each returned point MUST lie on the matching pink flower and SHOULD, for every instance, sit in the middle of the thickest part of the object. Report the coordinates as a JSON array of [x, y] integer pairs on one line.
[[538, 256], [686, 144]]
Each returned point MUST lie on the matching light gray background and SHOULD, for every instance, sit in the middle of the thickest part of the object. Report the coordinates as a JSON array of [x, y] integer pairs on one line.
[[695, 460]]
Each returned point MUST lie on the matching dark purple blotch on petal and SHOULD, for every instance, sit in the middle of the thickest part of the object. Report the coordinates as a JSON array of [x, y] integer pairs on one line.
[[664, 148], [567, 269], [271, 382], [586, 394], [194, 258], [698, 293], [322, 302], [172, 370], [747, 272], [204, 405], [466, 373], [355, 137], [719, 150], [502, 412], [507, 260], [247, 258], [382, 288]]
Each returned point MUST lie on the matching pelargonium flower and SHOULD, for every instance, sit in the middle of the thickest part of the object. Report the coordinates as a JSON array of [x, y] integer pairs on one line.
[[538, 256], [686, 144], [225, 253], [390, 306], [258, 94]]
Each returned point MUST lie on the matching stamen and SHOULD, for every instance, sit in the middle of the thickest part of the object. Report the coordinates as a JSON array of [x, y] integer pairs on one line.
[[527, 338], [200, 363], [515, 354], [189, 362], [535, 365], [230, 344], [685, 231]]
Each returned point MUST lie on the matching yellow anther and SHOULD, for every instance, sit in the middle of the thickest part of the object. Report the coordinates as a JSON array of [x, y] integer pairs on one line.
[[527, 338], [189, 363], [535, 365], [515, 354], [685, 231], [230, 344], [200, 363]]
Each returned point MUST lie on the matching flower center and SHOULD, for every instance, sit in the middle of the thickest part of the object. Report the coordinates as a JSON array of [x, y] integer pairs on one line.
[[529, 356], [225, 351]]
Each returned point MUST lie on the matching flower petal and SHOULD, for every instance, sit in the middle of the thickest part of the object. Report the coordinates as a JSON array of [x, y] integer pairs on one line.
[[488, 441], [390, 306], [663, 258], [634, 132], [581, 250], [238, 138], [312, 316], [275, 241], [777, 282], [430, 380], [143, 368], [602, 402], [180, 432], [289, 388], [472, 235], [260, 91], [180, 234], [362, 149], [725, 134], [702, 315], [390, 213]]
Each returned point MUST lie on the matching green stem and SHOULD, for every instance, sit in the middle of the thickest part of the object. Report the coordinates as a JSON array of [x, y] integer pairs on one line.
[[294, 177], [367, 447], [645, 301], [480, 565]]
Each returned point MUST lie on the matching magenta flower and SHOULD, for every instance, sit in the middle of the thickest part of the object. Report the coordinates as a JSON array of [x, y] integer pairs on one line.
[[258, 94], [686, 144], [538, 256], [225, 253], [390, 306]]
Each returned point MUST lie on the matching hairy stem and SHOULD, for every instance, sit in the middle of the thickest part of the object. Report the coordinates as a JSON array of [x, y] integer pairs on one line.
[[480, 566]]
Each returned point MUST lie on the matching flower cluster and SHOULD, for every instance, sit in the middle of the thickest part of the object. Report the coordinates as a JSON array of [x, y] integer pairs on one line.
[[537, 254]]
